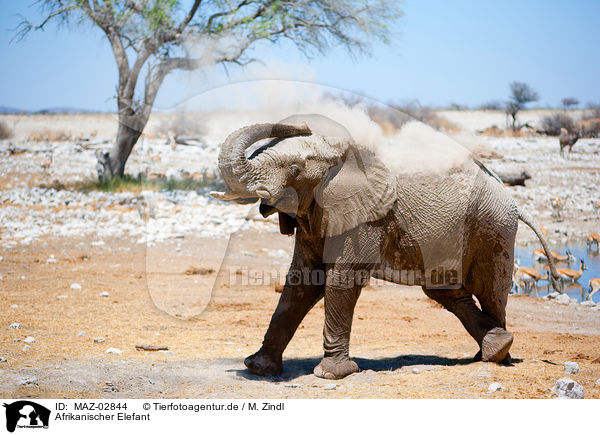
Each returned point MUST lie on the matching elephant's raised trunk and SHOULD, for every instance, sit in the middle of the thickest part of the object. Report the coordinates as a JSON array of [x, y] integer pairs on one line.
[[234, 166]]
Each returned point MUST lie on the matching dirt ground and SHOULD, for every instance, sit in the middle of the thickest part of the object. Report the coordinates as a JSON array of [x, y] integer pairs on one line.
[[406, 345]]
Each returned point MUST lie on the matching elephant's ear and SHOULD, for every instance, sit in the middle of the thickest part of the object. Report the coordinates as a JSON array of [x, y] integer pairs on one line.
[[358, 189]]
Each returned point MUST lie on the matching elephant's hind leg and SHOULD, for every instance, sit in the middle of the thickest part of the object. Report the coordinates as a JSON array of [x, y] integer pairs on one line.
[[494, 341]]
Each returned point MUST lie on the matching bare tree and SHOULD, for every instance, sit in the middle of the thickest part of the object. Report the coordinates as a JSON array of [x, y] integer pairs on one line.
[[520, 94], [569, 102], [150, 37]]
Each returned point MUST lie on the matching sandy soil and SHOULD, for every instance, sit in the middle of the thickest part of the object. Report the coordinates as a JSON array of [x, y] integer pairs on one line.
[[162, 293], [406, 345]]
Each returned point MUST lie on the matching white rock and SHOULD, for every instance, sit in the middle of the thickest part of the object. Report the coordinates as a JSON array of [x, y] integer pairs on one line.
[[567, 388], [496, 386], [104, 294], [2, 359], [98, 243], [597, 384], [62, 297], [571, 368], [14, 325], [81, 334], [27, 380], [563, 299], [99, 339], [75, 286], [29, 340], [114, 351], [329, 386], [51, 259], [553, 295], [26, 348]]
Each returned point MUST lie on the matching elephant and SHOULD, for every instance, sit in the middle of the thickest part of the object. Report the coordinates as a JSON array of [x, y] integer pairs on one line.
[[452, 232]]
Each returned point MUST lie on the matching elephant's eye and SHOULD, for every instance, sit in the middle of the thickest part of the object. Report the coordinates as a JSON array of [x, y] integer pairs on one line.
[[295, 170]]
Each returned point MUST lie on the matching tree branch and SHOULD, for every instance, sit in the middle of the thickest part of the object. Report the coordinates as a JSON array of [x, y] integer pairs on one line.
[[189, 16]]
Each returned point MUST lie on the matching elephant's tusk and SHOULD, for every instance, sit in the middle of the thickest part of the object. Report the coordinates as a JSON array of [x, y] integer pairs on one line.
[[222, 195], [263, 193]]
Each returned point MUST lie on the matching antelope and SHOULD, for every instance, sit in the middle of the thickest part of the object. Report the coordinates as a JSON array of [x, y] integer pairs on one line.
[[567, 140], [557, 206], [527, 275], [540, 255], [594, 287], [570, 274], [593, 238]]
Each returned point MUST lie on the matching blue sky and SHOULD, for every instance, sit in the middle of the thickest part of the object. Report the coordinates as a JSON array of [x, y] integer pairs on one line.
[[444, 52]]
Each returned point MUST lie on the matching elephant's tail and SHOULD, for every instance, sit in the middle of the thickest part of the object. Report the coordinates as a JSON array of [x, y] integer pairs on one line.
[[557, 284]]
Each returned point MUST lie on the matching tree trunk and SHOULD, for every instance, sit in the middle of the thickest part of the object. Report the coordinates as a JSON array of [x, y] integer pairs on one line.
[[112, 164]]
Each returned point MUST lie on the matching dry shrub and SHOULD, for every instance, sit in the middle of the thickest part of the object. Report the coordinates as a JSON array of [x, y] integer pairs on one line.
[[552, 124], [391, 119], [495, 131], [5, 131], [49, 136], [491, 105], [427, 115], [590, 123], [590, 127]]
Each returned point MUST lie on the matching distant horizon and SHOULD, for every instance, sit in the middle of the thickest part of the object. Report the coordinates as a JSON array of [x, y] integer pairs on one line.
[[9, 110]]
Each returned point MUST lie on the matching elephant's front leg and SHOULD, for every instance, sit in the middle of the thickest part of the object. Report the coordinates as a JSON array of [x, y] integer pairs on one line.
[[304, 287], [339, 310]]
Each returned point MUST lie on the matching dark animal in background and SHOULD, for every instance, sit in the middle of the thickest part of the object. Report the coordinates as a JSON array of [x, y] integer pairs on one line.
[[567, 139]]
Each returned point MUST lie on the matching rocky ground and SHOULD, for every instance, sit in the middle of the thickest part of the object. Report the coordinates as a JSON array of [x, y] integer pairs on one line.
[[138, 268]]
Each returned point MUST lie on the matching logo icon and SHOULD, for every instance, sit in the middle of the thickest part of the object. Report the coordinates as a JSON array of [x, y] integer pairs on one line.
[[26, 414]]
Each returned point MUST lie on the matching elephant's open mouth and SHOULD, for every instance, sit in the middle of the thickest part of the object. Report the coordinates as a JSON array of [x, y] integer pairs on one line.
[[287, 222], [266, 210]]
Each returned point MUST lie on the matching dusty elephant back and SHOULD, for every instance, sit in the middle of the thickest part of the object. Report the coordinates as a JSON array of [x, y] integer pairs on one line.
[[433, 209]]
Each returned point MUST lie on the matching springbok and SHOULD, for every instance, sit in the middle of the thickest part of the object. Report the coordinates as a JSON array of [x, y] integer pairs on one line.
[[567, 140], [540, 255], [557, 206], [591, 239], [527, 275], [594, 287], [570, 274]]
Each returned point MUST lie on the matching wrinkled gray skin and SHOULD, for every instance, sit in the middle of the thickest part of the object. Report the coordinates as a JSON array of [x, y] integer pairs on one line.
[[350, 217]]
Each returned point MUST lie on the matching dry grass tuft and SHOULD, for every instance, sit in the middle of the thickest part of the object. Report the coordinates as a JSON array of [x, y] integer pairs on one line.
[[49, 136], [199, 271]]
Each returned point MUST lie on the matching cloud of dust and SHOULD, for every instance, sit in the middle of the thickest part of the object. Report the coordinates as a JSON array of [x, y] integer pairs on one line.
[[271, 91], [419, 148]]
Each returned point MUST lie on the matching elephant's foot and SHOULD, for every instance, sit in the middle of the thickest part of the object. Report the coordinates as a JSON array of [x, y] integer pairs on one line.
[[495, 345], [263, 364], [506, 361], [332, 368]]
